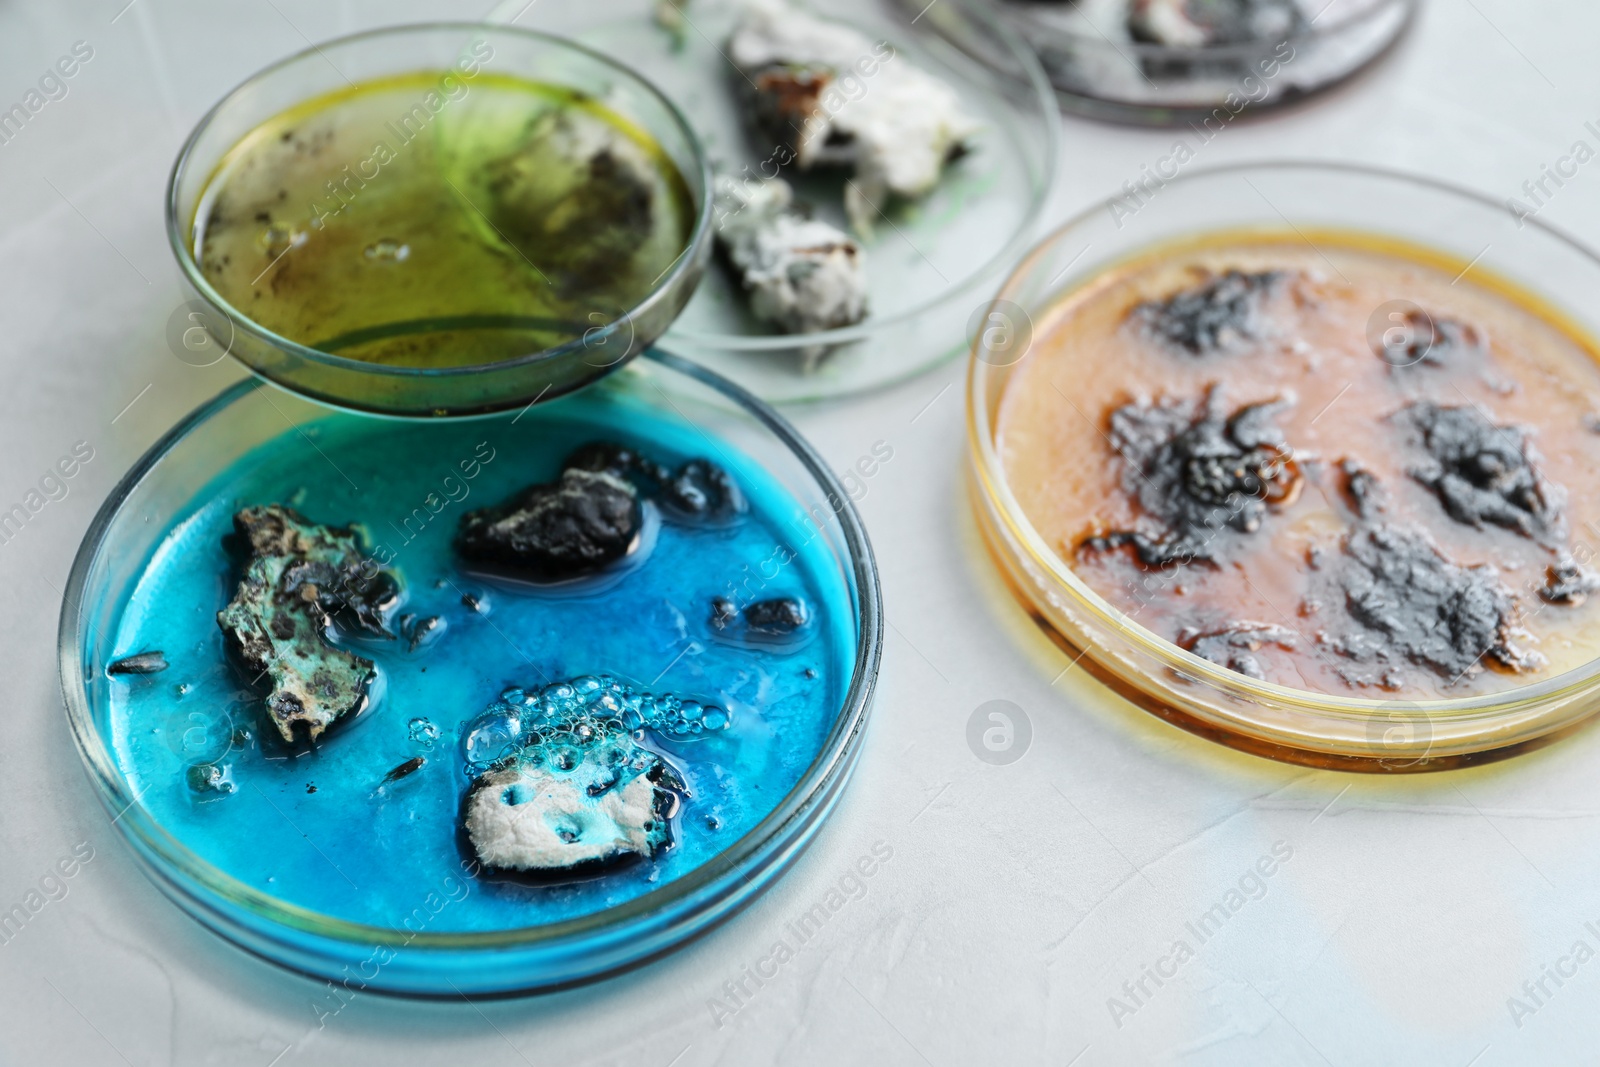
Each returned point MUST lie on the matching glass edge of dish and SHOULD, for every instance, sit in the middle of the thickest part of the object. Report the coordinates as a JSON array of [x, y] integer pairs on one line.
[[695, 251], [1238, 50], [991, 481], [835, 757], [1043, 94]]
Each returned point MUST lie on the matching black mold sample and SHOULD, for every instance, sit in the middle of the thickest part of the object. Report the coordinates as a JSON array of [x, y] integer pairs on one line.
[[777, 617], [1197, 470], [1569, 584], [1483, 473], [591, 515], [410, 766], [703, 490], [1412, 606], [417, 630], [697, 490], [783, 615], [153, 662], [1218, 315], [574, 525], [1233, 646], [1430, 342]]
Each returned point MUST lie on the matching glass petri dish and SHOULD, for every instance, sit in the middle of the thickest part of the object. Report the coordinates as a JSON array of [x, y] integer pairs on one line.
[[1550, 273], [472, 936], [600, 340], [1101, 72], [930, 266]]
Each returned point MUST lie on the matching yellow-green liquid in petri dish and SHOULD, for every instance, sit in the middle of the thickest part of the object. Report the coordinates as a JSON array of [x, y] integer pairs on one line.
[[395, 223]]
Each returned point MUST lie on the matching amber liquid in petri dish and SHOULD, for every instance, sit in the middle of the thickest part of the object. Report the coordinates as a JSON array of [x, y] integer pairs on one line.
[[432, 220], [1349, 466]]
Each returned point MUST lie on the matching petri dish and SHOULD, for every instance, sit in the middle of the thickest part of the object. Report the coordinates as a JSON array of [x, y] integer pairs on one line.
[[1101, 71], [438, 219], [345, 858], [1326, 220], [930, 264]]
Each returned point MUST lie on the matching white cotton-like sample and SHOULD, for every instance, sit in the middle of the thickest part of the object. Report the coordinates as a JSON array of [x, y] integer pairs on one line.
[[532, 816], [802, 275], [835, 97]]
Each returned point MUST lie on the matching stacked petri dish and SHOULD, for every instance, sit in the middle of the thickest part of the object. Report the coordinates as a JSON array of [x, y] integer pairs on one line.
[[440, 704]]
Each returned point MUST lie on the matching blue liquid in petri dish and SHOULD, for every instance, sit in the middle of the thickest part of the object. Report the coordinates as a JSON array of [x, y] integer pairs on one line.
[[317, 825]]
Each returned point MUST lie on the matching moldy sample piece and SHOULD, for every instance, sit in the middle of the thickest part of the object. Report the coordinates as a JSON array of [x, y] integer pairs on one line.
[[1484, 473], [577, 524], [300, 579], [1220, 314], [897, 133], [801, 274], [1197, 470]]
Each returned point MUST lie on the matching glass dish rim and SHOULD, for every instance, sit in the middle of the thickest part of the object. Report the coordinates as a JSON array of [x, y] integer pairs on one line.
[[1031, 73], [699, 235], [992, 482], [837, 751], [1238, 50]]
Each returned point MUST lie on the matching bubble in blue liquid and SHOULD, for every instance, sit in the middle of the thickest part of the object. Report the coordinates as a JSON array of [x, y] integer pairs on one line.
[[497, 732], [422, 731], [567, 719]]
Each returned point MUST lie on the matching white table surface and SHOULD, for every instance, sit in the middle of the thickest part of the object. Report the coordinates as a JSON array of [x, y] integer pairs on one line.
[[1019, 898]]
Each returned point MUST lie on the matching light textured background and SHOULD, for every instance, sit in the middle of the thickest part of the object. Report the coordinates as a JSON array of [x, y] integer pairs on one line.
[[1019, 898]]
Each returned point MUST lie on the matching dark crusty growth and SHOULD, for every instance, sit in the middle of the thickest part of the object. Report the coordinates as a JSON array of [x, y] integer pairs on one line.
[[300, 579], [777, 617], [696, 490], [576, 524], [780, 615], [1420, 340], [139, 663], [1233, 646], [1410, 606], [700, 489], [591, 515], [577, 205], [1217, 315], [1484, 473], [1197, 470], [1568, 583]]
